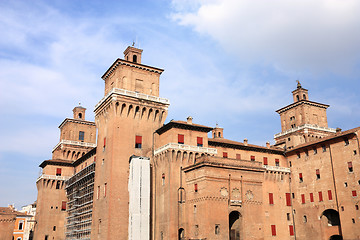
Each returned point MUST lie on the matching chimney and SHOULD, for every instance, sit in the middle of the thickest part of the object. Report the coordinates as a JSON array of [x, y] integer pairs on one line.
[[267, 144], [245, 142], [189, 120], [338, 130]]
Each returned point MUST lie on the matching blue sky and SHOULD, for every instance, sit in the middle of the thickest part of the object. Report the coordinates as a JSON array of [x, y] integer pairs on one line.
[[231, 62]]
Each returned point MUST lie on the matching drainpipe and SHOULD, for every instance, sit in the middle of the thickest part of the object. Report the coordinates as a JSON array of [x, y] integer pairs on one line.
[[336, 196], [153, 192]]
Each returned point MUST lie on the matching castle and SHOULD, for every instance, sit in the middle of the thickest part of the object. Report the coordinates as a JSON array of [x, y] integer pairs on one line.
[[130, 176]]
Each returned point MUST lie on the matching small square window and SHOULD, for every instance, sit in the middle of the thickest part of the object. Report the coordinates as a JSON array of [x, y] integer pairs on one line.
[[225, 155], [238, 156], [252, 158]]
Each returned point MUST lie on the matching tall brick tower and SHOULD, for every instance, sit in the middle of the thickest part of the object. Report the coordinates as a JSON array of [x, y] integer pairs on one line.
[[126, 117], [302, 121], [77, 137]]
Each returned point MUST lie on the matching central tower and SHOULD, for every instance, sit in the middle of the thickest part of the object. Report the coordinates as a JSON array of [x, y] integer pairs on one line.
[[126, 117]]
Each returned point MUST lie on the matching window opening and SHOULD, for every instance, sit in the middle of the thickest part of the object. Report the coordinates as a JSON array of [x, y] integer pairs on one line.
[[238, 156], [225, 155], [21, 225], [320, 197], [303, 198], [324, 148], [252, 158], [265, 161], [311, 197], [317, 174], [180, 139], [58, 172], [134, 58], [288, 200], [271, 198], [291, 230], [163, 179], [350, 167], [301, 177], [273, 230], [81, 136], [329, 195], [315, 151], [54, 228], [63, 205], [138, 141], [277, 162], [353, 193], [58, 185], [346, 141], [288, 216], [199, 141], [305, 219], [217, 229], [195, 187]]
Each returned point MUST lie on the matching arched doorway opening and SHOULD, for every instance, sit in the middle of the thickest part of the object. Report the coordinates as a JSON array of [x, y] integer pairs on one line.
[[234, 225], [181, 234], [332, 217], [336, 237]]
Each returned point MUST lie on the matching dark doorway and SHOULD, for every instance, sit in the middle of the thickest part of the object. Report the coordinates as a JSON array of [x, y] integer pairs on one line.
[[181, 234], [332, 217], [234, 225], [336, 237]]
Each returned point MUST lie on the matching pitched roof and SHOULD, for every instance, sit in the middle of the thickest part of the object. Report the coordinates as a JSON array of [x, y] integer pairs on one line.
[[239, 145], [325, 139], [183, 125]]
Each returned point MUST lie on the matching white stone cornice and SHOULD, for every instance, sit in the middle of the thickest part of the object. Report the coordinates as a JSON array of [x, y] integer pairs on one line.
[[183, 147], [277, 169], [52, 177], [76, 143], [118, 91], [305, 127]]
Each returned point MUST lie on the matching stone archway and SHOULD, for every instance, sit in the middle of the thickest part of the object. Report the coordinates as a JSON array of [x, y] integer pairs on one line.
[[234, 225]]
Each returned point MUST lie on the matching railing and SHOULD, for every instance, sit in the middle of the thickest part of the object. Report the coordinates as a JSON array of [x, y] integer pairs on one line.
[[52, 177], [185, 147], [83, 144], [314, 127], [133, 94], [276, 169]]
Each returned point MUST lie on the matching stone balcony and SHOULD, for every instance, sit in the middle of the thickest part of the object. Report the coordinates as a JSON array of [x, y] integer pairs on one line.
[[305, 126], [52, 177], [184, 147], [83, 144], [128, 93], [276, 169]]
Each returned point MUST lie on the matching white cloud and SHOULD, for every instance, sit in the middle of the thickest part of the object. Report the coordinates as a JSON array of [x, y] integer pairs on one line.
[[301, 34]]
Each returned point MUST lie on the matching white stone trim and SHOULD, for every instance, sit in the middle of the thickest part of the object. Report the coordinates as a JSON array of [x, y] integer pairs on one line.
[[276, 169], [177, 146], [128, 93], [52, 177], [305, 126], [83, 144]]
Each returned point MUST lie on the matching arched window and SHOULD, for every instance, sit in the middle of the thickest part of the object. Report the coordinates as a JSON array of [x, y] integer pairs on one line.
[[219, 134], [297, 97], [181, 234], [304, 96], [80, 115], [135, 58]]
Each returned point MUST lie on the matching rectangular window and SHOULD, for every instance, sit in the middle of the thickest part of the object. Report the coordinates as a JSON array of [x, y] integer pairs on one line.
[[306, 153], [346, 141], [81, 135], [288, 216], [21, 225], [301, 177], [238, 156], [58, 172], [320, 197], [288, 199], [195, 187], [138, 141], [180, 139], [354, 194], [265, 161], [225, 155], [317, 173], [291, 230], [350, 167], [252, 158], [311, 197], [315, 151], [324, 148], [303, 198], [273, 230], [199, 141], [63, 205], [277, 162], [105, 189], [271, 198], [298, 154], [329, 195]]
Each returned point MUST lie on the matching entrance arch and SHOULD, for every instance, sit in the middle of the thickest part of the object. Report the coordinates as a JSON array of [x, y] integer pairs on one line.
[[234, 225], [181, 234], [332, 217]]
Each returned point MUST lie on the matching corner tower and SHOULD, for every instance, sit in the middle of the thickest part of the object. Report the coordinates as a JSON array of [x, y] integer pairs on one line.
[[126, 117], [302, 121]]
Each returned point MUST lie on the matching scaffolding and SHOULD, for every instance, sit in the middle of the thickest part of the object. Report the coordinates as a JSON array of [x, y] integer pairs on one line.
[[80, 191]]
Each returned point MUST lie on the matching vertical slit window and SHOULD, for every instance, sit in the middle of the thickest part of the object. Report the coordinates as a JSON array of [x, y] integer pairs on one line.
[[320, 197], [303, 198], [288, 199], [350, 167], [311, 197]]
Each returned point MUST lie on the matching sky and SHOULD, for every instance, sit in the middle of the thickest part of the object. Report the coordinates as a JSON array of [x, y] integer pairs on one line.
[[230, 62]]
